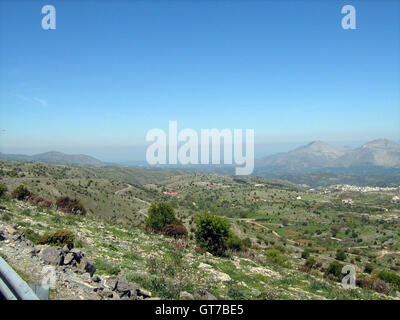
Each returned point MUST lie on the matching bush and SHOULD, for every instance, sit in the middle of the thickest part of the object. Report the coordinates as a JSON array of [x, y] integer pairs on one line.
[[335, 269], [104, 266], [305, 254], [235, 243], [212, 233], [21, 193], [69, 205], [310, 262], [368, 268], [276, 256], [175, 230], [372, 284], [341, 255], [32, 236], [3, 189], [160, 215], [40, 201], [246, 242], [389, 277], [59, 238]]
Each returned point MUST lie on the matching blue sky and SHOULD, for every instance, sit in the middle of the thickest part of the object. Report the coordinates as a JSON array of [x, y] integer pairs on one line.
[[112, 70]]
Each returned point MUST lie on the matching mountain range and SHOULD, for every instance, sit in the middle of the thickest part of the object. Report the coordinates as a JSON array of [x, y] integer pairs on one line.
[[319, 155], [55, 157], [315, 156]]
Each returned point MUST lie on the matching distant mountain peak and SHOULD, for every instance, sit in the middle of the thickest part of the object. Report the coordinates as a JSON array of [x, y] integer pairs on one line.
[[318, 155], [381, 143]]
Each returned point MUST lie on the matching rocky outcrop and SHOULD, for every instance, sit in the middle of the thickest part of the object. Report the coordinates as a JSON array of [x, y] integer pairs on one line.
[[74, 270]]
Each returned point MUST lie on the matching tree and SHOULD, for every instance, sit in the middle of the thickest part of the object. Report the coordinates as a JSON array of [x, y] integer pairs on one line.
[[159, 215], [3, 189], [212, 233], [21, 193]]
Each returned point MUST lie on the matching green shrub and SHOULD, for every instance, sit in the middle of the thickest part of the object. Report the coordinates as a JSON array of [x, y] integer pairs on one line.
[[32, 236], [341, 255], [106, 267], [59, 238], [276, 256], [3, 189], [21, 193], [368, 268], [310, 262], [389, 277], [305, 254], [159, 215], [246, 242], [212, 233], [335, 268], [235, 243]]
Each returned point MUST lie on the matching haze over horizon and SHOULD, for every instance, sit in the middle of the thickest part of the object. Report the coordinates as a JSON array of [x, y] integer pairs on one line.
[[112, 71]]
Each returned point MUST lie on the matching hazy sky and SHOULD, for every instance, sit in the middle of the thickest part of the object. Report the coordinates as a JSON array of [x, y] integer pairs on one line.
[[112, 70]]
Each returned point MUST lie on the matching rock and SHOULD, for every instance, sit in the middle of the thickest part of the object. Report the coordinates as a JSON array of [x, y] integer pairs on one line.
[[96, 279], [10, 230], [143, 293], [68, 258], [86, 265], [65, 250], [185, 296], [78, 255], [205, 295], [51, 255], [34, 251], [106, 293], [126, 289]]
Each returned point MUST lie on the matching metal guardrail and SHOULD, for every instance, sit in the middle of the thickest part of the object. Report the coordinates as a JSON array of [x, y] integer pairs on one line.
[[12, 287]]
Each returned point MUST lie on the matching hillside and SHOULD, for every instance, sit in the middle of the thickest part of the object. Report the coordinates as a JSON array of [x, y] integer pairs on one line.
[[54, 157], [294, 233]]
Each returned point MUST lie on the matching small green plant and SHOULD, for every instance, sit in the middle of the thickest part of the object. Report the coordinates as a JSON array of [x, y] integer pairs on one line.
[[3, 190], [368, 268], [32, 236], [335, 269], [341, 255], [59, 238], [106, 267], [390, 277], [21, 193], [235, 243], [305, 254], [276, 256]]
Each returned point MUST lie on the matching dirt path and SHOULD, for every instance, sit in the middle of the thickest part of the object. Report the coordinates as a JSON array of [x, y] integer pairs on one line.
[[146, 203], [384, 252], [128, 187], [253, 221]]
